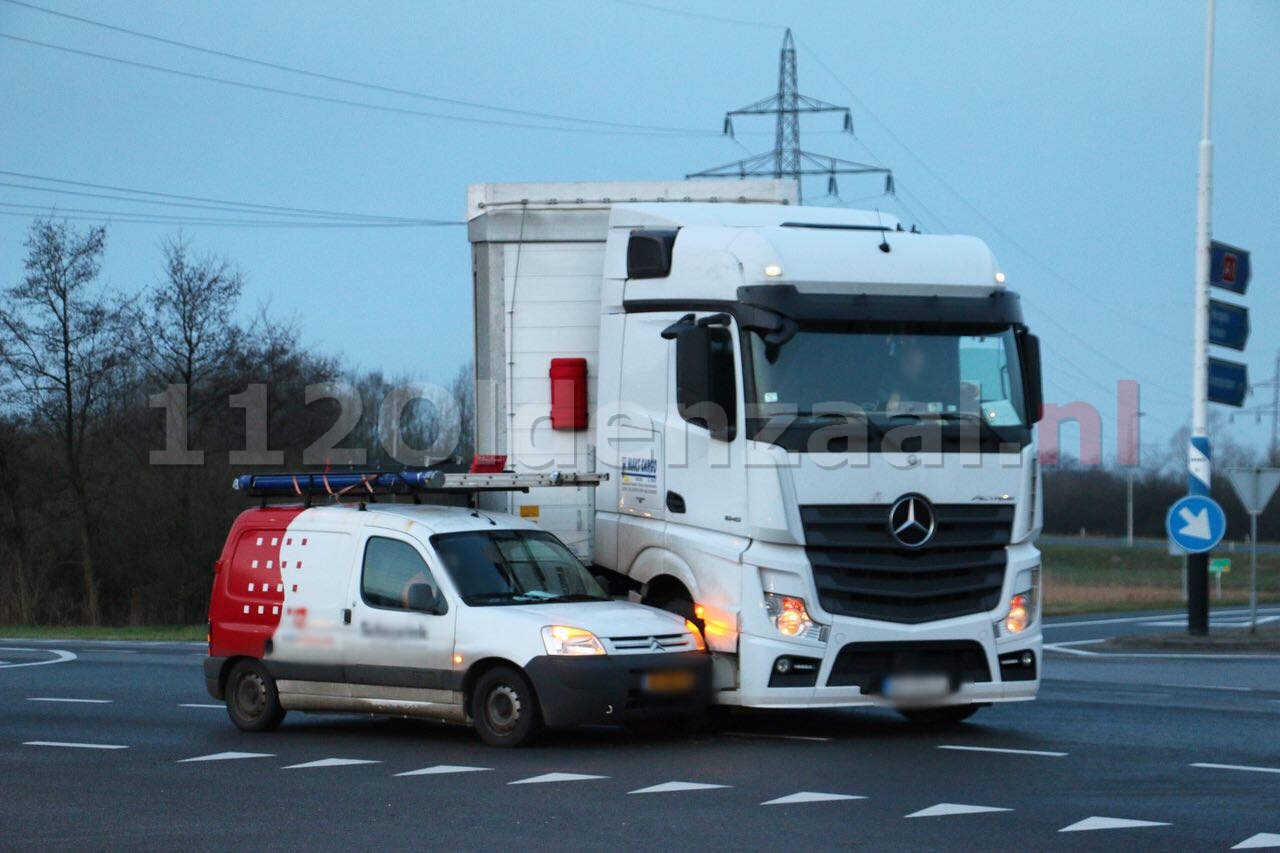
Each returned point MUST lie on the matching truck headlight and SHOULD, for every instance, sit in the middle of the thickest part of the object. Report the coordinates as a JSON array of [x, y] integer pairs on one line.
[[1023, 604], [563, 640], [791, 617]]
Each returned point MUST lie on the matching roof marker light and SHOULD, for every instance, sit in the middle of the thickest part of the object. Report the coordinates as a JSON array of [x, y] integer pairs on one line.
[[999, 278]]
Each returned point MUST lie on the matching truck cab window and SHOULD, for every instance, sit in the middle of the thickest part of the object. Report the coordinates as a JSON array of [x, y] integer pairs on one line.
[[390, 568]]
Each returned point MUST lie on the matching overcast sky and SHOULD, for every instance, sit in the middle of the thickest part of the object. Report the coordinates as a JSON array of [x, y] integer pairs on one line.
[[1065, 134]]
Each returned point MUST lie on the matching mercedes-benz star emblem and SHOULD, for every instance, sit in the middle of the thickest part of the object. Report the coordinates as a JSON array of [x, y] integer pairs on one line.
[[911, 521]]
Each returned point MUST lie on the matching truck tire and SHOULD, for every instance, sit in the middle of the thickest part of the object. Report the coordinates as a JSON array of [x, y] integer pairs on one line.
[[504, 709], [947, 715], [252, 701]]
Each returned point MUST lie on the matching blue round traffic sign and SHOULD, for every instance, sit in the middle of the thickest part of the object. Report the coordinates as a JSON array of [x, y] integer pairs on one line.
[[1196, 523]]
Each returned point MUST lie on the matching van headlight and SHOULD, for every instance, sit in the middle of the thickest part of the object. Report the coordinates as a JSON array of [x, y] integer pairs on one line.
[[1023, 605], [790, 616], [563, 640]]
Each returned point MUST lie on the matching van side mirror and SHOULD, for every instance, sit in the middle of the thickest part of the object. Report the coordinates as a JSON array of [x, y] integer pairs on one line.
[[422, 598], [706, 391], [1033, 389]]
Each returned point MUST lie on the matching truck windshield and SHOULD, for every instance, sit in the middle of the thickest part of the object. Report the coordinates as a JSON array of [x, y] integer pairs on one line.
[[496, 567], [885, 377]]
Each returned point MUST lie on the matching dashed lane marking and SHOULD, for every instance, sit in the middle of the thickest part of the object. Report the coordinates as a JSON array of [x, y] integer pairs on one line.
[[61, 699], [810, 797], [62, 657], [228, 756], [772, 736], [74, 745], [1004, 751], [1243, 767], [1259, 841], [1092, 823], [1208, 687], [200, 705], [946, 809], [672, 787], [443, 768], [557, 777], [330, 762]]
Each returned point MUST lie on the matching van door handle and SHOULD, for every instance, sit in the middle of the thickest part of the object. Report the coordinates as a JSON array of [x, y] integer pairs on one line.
[[346, 616], [675, 502]]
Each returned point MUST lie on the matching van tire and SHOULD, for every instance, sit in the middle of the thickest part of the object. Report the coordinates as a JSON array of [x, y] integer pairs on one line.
[[252, 701], [946, 715], [504, 708]]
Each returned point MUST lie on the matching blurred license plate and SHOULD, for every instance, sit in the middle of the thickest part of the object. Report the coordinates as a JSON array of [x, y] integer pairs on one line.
[[917, 686], [675, 681]]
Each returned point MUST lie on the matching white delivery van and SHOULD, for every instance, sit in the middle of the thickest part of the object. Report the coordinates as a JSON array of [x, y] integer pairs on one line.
[[444, 613]]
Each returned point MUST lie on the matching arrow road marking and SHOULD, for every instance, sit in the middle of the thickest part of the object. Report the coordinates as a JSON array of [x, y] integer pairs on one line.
[[810, 797], [944, 809], [670, 787], [1091, 823], [227, 756], [73, 745], [330, 762], [1195, 524], [1262, 839], [443, 768], [556, 777], [1243, 767]]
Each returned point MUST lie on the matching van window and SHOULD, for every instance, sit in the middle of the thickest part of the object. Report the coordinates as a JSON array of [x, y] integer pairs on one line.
[[495, 567], [390, 567]]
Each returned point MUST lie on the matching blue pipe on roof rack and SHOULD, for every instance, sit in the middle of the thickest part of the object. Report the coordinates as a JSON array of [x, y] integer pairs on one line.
[[347, 483]]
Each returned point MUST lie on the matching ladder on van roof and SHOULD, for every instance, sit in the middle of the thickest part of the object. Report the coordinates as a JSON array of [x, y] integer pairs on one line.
[[368, 485]]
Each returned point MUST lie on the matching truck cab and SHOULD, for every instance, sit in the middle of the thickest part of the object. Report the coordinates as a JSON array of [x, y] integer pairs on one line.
[[442, 613], [819, 426]]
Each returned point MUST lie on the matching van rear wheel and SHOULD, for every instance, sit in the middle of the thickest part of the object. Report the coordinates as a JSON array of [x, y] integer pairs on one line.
[[504, 709], [252, 701]]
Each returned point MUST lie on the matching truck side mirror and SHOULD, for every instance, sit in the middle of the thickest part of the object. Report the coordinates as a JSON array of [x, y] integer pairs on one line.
[[422, 598], [1033, 393], [706, 391]]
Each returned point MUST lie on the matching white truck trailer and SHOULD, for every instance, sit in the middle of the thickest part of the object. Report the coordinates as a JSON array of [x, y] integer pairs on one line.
[[819, 429]]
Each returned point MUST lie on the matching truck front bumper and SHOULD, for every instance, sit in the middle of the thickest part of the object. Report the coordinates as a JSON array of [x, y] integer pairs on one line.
[[856, 664], [615, 689]]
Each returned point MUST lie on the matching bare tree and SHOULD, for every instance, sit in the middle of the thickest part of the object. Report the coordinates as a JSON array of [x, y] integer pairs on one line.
[[65, 347]]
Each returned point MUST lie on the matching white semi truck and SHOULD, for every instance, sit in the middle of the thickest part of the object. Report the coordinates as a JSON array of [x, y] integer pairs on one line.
[[819, 429]]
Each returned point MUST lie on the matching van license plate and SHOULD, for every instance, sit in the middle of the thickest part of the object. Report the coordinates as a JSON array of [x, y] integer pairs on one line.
[[673, 681], [916, 687]]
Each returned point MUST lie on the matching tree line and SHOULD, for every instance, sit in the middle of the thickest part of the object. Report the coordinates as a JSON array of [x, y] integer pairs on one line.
[[97, 524]]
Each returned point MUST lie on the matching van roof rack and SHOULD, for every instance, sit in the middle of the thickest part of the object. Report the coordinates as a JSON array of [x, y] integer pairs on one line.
[[368, 485]]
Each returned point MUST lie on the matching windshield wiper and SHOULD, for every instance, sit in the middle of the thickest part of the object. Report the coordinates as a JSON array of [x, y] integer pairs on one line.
[[504, 595], [577, 596]]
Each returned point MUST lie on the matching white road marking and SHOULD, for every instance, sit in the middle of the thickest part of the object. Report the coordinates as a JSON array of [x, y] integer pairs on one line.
[[944, 809], [228, 756], [556, 777], [73, 745], [778, 737], [1150, 617], [200, 705], [1092, 823], [63, 657], [1069, 648], [60, 699], [810, 797], [1004, 751], [1208, 687], [443, 768], [672, 787], [1262, 839], [330, 762], [1243, 767]]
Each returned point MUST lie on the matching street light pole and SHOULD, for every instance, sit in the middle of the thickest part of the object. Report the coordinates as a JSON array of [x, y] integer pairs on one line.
[[1133, 434], [1198, 452]]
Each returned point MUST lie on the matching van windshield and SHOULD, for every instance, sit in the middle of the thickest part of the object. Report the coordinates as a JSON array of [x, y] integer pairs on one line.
[[495, 567]]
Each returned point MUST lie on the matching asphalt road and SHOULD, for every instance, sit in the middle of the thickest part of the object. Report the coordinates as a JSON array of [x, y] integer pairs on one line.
[[1189, 747]]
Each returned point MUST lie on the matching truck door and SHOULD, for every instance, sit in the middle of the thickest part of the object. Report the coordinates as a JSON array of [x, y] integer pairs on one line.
[[396, 652]]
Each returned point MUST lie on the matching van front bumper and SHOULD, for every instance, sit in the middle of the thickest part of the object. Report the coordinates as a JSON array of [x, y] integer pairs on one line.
[[615, 689]]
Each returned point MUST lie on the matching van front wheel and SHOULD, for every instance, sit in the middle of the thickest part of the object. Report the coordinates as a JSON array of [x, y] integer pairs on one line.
[[252, 701], [504, 708]]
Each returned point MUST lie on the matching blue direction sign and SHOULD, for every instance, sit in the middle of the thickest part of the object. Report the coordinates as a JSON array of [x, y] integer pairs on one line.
[[1228, 267], [1196, 523], [1228, 324], [1228, 382]]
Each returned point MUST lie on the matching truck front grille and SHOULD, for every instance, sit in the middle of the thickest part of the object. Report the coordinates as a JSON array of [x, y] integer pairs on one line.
[[860, 570]]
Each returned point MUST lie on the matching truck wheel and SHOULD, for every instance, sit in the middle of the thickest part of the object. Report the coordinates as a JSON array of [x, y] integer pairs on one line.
[[947, 715], [252, 701], [504, 709]]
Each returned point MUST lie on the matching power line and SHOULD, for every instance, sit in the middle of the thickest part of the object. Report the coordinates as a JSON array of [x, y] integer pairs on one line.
[[214, 203], [684, 13], [363, 84], [137, 218], [346, 102]]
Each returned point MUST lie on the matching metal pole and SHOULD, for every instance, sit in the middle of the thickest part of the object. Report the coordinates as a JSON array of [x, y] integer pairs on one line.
[[1253, 573], [1129, 533], [1275, 410], [1198, 453]]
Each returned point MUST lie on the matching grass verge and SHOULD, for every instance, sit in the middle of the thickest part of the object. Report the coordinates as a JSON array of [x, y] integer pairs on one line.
[[84, 632]]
